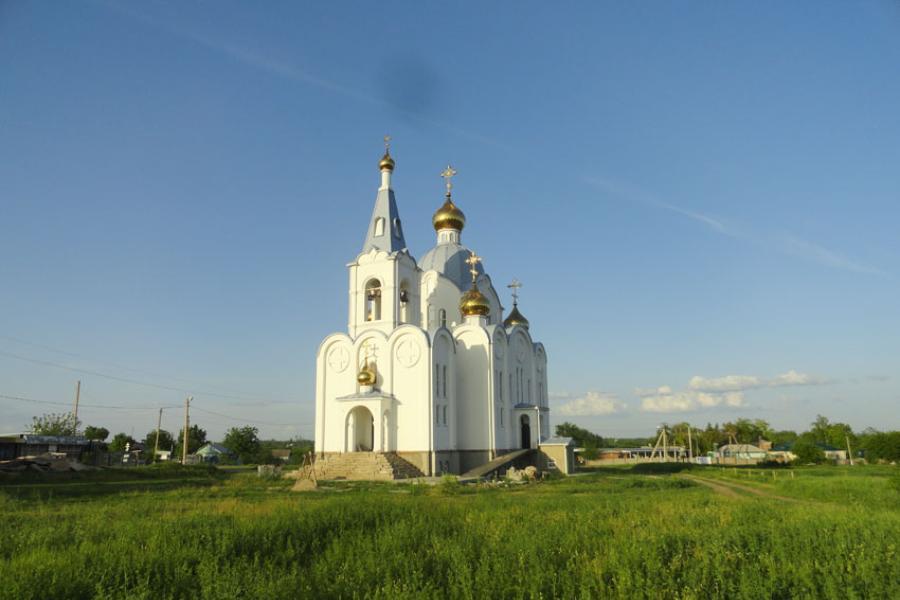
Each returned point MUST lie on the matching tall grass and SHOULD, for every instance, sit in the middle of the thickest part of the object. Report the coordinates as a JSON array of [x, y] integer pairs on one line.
[[617, 535]]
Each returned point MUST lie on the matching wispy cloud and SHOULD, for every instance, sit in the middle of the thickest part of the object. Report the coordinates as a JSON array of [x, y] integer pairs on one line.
[[591, 404], [261, 62], [786, 243], [805, 249], [710, 392]]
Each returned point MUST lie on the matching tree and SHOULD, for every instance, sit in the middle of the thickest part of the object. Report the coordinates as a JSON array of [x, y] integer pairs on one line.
[[582, 437], [244, 442], [783, 437], [166, 441], [119, 441], [196, 439], [833, 434], [55, 424], [880, 446], [96, 433], [806, 451]]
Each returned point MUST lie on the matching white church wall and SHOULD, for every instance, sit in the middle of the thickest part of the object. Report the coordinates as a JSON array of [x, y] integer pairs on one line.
[[473, 394], [335, 377], [439, 294], [444, 410], [408, 380], [503, 426]]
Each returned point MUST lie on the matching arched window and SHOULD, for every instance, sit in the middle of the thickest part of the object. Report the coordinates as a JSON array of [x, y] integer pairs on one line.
[[373, 300], [379, 226], [444, 382], [442, 317], [398, 232], [445, 414], [404, 301]]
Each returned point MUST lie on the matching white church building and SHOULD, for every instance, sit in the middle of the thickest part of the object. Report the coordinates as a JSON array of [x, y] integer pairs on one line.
[[429, 374]]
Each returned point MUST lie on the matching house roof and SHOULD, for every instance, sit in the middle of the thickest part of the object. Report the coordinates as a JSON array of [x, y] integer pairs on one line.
[[211, 448], [745, 448]]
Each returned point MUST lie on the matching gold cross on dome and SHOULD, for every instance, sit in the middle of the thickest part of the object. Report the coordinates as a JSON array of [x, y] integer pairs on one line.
[[473, 261], [514, 286], [448, 174], [387, 143]]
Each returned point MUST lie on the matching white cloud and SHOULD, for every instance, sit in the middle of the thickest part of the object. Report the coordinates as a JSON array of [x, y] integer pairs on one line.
[[709, 392], [591, 404], [792, 377], [665, 400], [728, 383]]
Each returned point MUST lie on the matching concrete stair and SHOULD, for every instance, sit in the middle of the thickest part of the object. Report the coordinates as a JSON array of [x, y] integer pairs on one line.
[[366, 466]]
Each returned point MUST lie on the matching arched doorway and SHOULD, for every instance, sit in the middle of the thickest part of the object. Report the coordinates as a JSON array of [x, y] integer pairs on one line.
[[525, 426], [360, 430]]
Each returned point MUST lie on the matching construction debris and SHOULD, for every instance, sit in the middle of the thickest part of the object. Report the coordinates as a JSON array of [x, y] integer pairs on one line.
[[42, 464]]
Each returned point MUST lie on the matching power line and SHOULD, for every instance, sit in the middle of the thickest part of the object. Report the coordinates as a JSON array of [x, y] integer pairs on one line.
[[48, 363], [83, 357], [106, 406], [241, 420]]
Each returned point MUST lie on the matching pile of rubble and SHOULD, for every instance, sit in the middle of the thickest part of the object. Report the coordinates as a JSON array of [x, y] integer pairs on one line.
[[42, 464]]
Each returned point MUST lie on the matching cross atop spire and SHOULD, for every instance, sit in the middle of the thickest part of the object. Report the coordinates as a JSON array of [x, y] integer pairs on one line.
[[448, 174], [473, 261], [387, 143], [514, 286]]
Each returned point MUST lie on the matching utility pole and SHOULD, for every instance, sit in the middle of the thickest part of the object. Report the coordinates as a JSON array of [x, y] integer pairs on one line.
[[77, 398], [156, 443], [187, 426], [665, 445], [690, 446], [849, 453]]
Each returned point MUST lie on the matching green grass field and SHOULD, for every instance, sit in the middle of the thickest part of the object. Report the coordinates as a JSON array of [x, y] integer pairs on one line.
[[828, 532]]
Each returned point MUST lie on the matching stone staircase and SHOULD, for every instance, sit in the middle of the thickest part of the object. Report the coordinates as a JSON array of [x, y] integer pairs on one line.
[[372, 466]]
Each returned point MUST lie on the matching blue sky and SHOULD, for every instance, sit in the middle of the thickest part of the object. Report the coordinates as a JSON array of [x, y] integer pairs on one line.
[[701, 199]]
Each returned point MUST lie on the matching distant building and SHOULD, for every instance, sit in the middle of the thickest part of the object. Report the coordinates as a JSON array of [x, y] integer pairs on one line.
[[214, 453], [740, 454], [16, 445], [281, 454]]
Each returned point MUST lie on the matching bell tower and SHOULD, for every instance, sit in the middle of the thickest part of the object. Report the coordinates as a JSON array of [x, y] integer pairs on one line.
[[384, 285]]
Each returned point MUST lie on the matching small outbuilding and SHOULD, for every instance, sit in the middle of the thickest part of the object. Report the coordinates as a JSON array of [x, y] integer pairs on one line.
[[557, 454], [215, 453]]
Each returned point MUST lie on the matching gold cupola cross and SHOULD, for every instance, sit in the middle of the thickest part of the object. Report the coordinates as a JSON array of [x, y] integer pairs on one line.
[[448, 174], [514, 286], [473, 261]]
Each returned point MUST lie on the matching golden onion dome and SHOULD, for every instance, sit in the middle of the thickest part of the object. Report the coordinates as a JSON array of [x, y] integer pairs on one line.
[[473, 302], [448, 216], [366, 375], [386, 162], [515, 318]]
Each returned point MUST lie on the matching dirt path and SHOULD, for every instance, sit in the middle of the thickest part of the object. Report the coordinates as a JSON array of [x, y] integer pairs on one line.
[[731, 489], [721, 489]]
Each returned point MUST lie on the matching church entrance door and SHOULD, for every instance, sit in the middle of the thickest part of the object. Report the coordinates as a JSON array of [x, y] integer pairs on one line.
[[360, 430], [525, 425]]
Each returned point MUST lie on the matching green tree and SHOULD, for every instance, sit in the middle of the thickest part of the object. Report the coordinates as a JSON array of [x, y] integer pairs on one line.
[[96, 433], [119, 441], [166, 441], [196, 439], [582, 437], [244, 442], [55, 424], [783, 437], [880, 446], [833, 434], [806, 451]]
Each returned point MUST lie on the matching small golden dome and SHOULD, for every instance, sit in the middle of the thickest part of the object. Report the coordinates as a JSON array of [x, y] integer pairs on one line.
[[386, 162], [515, 318], [448, 216], [366, 375], [474, 302]]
